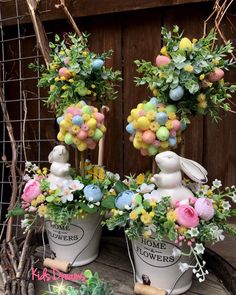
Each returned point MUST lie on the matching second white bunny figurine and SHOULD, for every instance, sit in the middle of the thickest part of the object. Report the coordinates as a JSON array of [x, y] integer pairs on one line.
[[60, 169], [169, 180]]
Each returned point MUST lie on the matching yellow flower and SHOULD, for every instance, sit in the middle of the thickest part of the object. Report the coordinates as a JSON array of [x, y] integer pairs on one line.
[[209, 192], [133, 215], [194, 40], [140, 179], [40, 198], [182, 230], [86, 117], [154, 126], [202, 76], [91, 133], [146, 218], [201, 97], [39, 171], [164, 51], [164, 144], [147, 234], [62, 52], [171, 216], [171, 116], [64, 87], [34, 203], [215, 61], [71, 80], [153, 203], [89, 92], [93, 86], [75, 129], [189, 68], [63, 78], [85, 53], [42, 210], [57, 79], [202, 104], [169, 125], [155, 92], [151, 115], [152, 213], [143, 211], [114, 212], [161, 75]]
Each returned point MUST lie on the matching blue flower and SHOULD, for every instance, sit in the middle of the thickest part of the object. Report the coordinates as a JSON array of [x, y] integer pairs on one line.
[[92, 193], [124, 200]]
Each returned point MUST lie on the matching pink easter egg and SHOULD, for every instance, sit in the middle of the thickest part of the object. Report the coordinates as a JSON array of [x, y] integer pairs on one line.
[[144, 152], [148, 136], [92, 145], [82, 135], [131, 138], [70, 110], [64, 72], [99, 125], [66, 60], [99, 117], [84, 127], [141, 113], [172, 133], [162, 60], [78, 112], [176, 124], [216, 75], [156, 143]]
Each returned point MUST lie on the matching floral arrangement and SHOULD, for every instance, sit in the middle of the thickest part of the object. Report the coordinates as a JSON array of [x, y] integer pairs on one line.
[[193, 221], [76, 73], [189, 74], [90, 284], [69, 199], [154, 127]]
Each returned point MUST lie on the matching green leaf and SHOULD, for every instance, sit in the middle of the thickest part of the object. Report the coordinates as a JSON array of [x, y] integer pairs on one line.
[[86, 208], [18, 211], [50, 199], [120, 187], [109, 202]]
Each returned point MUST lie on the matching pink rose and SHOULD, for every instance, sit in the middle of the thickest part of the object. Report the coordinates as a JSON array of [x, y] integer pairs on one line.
[[187, 216], [204, 208], [31, 190]]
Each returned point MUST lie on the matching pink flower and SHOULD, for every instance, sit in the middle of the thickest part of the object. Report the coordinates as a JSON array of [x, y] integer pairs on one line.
[[187, 216], [204, 208], [31, 190]]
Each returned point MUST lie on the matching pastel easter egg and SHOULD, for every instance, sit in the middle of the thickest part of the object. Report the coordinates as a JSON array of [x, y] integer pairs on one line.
[[97, 135], [149, 107], [185, 44], [84, 127], [137, 144], [91, 123], [77, 120], [162, 60], [176, 124], [144, 152], [68, 138], [176, 93], [156, 143], [154, 101], [82, 146], [161, 118], [216, 75], [131, 138], [183, 126], [97, 64], [171, 108], [172, 141], [152, 150], [60, 136], [86, 110], [162, 133], [124, 199], [141, 113], [59, 119], [143, 123], [66, 60], [130, 128], [64, 72], [82, 134], [148, 136], [172, 133], [70, 110], [93, 193], [99, 117], [77, 111], [135, 113], [103, 128], [92, 145]]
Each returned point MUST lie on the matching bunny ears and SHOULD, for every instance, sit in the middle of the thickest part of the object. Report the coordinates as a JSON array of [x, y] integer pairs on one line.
[[193, 170]]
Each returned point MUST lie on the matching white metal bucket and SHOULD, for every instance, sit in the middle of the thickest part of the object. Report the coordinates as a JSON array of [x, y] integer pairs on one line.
[[78, 242], [155, 260]]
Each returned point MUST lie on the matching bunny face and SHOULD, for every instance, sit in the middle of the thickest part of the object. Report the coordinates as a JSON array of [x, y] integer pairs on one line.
[[168, 162], [59, 154]]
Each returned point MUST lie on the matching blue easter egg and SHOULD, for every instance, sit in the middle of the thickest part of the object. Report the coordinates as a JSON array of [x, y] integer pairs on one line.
[[77, 120], [97, 64], [172, 141], [83, 103], [92, 193], [59, 119], [130, 128], [176, 93], [154, 101], [124, 199], [161, 118], [183, 126]]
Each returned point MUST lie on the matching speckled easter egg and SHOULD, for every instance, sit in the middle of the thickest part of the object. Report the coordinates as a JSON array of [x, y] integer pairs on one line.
[[170, 108], [92, 193], [59, 119], [162, 133], [162, 60], [143, 123], [97, 64], [130, 128], [176, 93], [92, 123], [68, 138], [215, 76], [64, 72], [124, 199], [152, 150], [82, 135], [154, 101], [183, 126], [161, 118], [99, 117], [176, 124], [77, 120], [149, 107], [148, 136], [86, 109], [185, 44], [97, 135], [172, 141]]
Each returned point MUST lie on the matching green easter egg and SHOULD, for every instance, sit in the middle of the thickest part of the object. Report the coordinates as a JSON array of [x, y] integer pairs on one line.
[[162, 133], [152, 150], [97, 135], [148, 107], [86, 109], [171, 108], [68, 138]]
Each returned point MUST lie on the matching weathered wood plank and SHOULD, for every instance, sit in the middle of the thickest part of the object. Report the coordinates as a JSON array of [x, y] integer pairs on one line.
[[86, 7]]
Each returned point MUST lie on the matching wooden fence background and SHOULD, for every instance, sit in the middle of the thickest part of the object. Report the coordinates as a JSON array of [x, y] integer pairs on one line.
[[132, 29]]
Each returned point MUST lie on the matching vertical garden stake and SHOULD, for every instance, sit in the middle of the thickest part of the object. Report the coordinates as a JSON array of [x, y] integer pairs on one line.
[[104, 109]]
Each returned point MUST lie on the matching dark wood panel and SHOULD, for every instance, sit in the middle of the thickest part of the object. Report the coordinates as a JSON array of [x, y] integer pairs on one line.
[[87, 7]]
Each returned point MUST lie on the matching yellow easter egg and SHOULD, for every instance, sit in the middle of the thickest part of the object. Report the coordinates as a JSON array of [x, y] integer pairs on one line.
[[172, 116], [151, 115], [169, 125], [60, 136], [68, 117], [82, 146], [134, 113], [75, 129], [137, 144], [164, 144], [138, 136], [140, 106], [65, 124], [143, 123], [63, 131], [79, 105], [144, 145], [76, 140], [86, 117], [92, 123], [103, 128], [154, 126], [185, 44], [95, 110], [135, 124], [129, 119], [91, 133]]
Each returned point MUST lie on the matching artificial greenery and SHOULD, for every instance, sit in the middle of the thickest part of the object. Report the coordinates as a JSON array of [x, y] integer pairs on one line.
[[189, 65], [76, 73]]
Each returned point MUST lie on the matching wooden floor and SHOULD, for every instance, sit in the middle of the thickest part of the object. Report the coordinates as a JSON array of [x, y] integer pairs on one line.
[[113, 266]]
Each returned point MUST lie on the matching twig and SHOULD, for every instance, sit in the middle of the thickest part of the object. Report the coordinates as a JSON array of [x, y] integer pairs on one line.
[[68, 14], [104, 109], [13, 162], [24, 122]]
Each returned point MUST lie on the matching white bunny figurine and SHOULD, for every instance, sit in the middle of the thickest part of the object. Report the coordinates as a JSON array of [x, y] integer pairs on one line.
[[169, 180], [59, 169]]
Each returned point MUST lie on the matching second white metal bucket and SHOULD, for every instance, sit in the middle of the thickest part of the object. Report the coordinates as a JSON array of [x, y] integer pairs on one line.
[[154, 261], [78, 242]]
